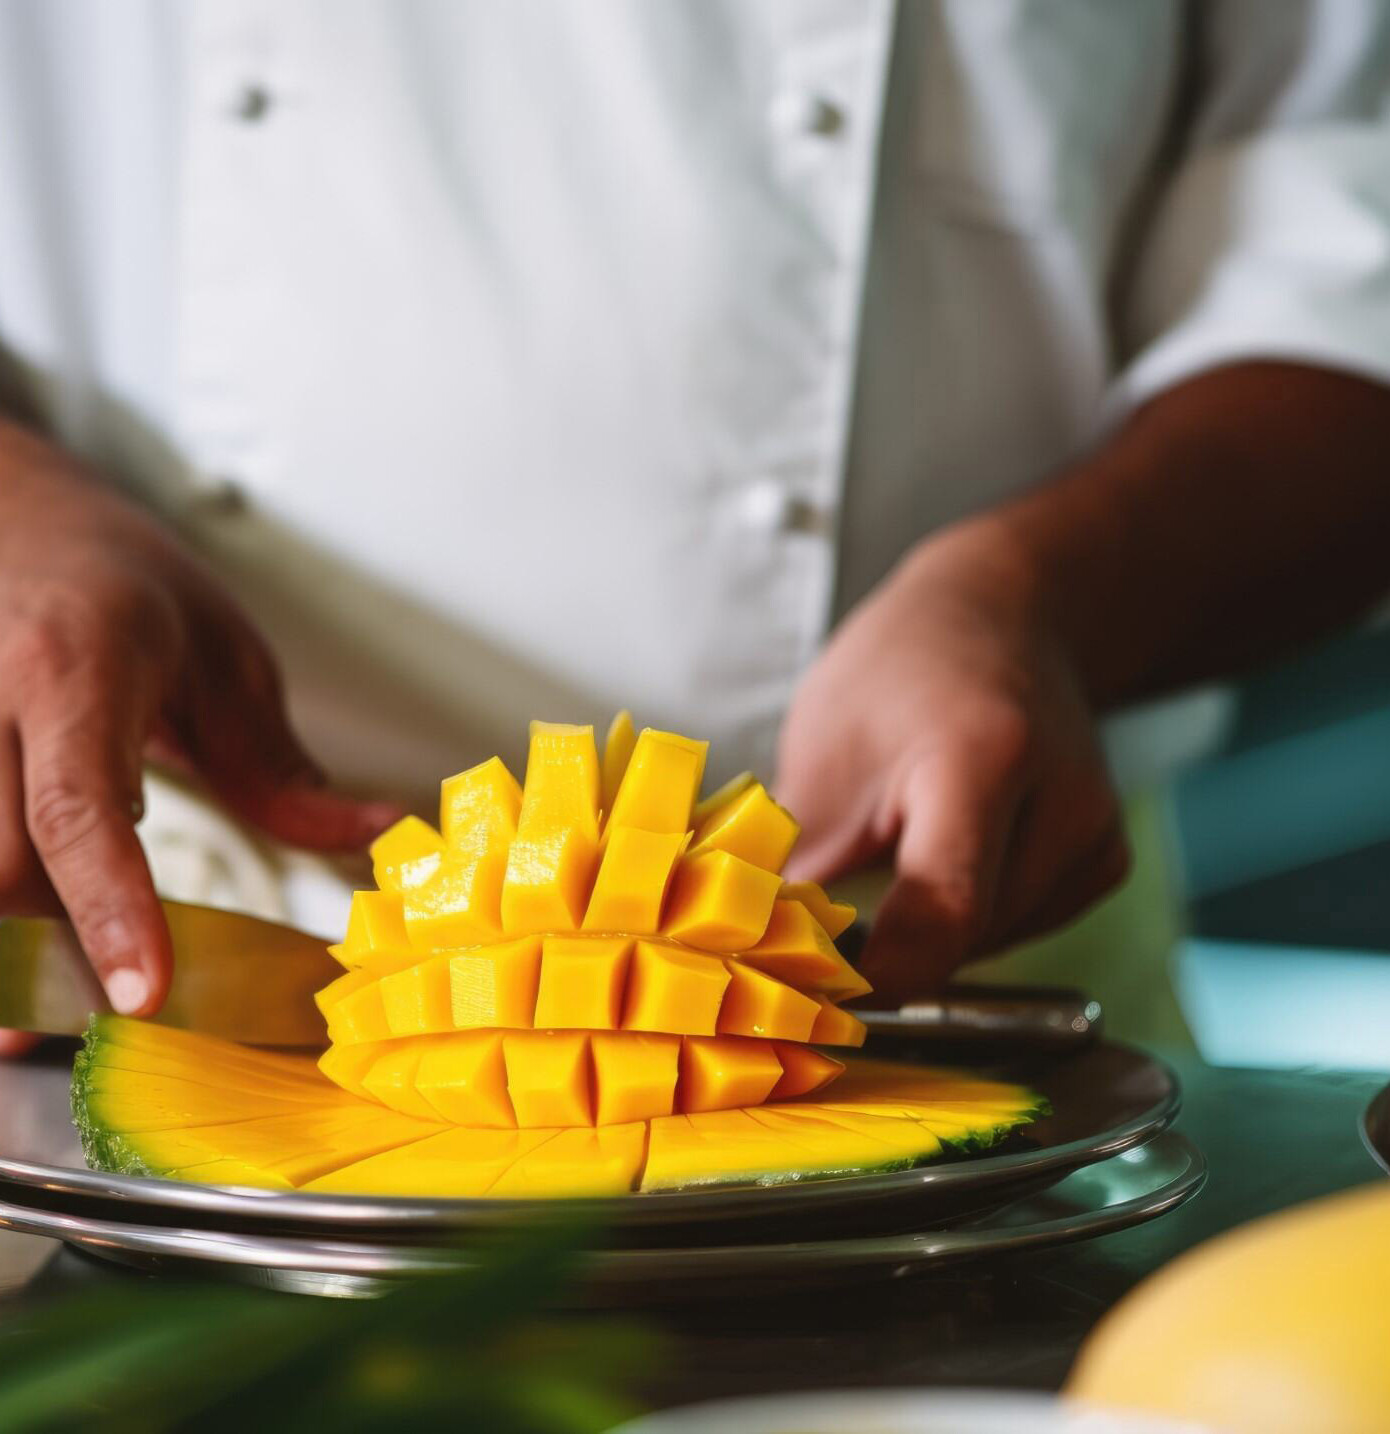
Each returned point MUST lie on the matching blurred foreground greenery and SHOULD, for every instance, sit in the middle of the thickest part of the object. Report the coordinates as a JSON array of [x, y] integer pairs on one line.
[[465, 1352]]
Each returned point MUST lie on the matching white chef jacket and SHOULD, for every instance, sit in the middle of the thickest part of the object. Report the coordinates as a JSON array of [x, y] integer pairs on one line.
[[543, 357]]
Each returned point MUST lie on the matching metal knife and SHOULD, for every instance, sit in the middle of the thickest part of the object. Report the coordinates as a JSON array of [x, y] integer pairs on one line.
[[1031, 1017], [234, 976]]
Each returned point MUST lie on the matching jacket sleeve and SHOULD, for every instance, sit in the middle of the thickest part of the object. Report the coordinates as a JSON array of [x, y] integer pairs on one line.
[[1270, 237]]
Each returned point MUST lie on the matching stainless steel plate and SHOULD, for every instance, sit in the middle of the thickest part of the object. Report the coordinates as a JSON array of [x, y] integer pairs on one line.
[[1109, 1195], [1106, 1098], [1375, 1129]]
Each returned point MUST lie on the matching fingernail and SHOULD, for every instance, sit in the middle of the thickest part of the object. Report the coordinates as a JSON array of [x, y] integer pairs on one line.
[[127, 989]]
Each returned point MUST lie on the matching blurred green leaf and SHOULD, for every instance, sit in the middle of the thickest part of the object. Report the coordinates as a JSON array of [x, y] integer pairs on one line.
[[467, 1351]]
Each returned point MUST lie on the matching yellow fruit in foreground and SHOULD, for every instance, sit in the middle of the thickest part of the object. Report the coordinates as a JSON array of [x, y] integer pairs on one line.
[[1279, 1327]]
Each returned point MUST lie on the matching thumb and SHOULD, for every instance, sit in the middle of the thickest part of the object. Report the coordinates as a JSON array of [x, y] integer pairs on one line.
[[237, 736]]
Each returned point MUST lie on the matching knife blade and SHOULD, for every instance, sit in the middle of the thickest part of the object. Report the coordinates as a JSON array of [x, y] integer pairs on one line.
[[1030, 1017], [235, 976]]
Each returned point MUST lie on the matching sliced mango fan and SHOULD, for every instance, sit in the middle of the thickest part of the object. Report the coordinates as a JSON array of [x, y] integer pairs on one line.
[[593, 984]]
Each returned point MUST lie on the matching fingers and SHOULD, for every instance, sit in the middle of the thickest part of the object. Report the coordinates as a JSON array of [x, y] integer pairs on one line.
[[1098, 871], [236, 732], [957, 815], [16, 1043], [1068, 849], [80, 743], [24, 889]]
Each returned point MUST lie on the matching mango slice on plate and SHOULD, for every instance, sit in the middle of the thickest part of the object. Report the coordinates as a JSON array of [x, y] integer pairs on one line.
[[132, 1080]]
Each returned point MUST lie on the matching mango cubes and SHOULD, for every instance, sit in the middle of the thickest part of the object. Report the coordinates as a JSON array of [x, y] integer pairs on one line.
[[595, 947]]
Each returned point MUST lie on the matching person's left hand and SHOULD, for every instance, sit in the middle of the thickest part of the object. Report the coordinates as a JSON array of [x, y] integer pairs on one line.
[[946, 719]]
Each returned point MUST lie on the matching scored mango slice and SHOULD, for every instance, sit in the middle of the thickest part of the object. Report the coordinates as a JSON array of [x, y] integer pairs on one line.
[[673, 990], [719, 902], [157, 1101], [796, 949], [633, 879], [583, 982], [660, 783], [551, 862], [750, 826], [756, 1004], [376, 922]]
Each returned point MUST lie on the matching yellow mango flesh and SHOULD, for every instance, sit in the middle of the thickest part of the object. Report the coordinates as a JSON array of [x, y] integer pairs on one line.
[[804, 1071], [634, 1075], [750, 826], [357, 1015], [376, 922], [727, 1072], [633, 878], [464, 1078], [583, 979], [551, 863], [1275, 1327], [671, 990], [418, 1000], [407, 854], [347, 1065], [496, 985], [595, 1077], [392, 1081], [617, 753], [293, 1147], [607, 1161], [836, 1027], [660, 783], [479, 807], [720, 797], [835, 917], [549, 1077], [756, 1004], [460, 903], [795, 949], [451, 1164], [720, 902]]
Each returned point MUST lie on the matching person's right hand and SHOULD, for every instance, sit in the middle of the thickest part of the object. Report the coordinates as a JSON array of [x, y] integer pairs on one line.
[[113, 640]]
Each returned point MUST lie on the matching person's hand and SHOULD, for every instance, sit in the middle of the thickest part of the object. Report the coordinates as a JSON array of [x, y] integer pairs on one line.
[[115, 642], [945, 720]]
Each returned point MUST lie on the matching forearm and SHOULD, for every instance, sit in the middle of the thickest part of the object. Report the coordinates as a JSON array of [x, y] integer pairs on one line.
[[1235, 516]]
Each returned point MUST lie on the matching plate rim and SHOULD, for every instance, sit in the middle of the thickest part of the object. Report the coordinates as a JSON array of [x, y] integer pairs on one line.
[[694, 1205], [292, 1254], [1377, 1112]]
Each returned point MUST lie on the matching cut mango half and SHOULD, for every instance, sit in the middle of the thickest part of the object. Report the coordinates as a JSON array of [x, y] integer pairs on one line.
[[149, 1100], [588, 982]]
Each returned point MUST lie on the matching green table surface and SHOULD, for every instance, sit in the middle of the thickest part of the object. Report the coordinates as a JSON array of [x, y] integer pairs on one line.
[[1272, 1140]]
